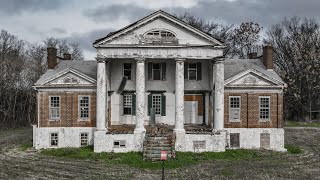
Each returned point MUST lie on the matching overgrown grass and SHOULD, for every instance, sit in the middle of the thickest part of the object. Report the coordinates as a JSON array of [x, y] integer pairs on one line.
[[25, 146], [293, 149], [302, 124], [134, 159]]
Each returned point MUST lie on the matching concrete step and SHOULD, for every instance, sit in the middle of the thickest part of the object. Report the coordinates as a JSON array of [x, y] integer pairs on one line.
[[158, 148]]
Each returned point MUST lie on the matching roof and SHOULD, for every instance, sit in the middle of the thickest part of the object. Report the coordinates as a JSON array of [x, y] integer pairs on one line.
[[235, 66], [88, 68], [162, 14]]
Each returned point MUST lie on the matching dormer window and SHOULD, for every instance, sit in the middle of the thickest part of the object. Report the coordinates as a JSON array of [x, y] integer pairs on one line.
[[160, 36]]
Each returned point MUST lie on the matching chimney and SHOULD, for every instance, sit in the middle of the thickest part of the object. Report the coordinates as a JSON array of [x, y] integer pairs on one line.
[[66, 56], [52, 57], [267, 58], [252, 55]]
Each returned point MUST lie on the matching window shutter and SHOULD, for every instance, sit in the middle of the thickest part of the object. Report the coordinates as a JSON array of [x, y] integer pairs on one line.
[[133, 104], [149, 103], [163, 105], [150, 71], [186, 70], [163, 69], [199, 73]]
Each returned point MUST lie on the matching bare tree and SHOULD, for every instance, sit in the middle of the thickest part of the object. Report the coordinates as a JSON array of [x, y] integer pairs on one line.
[[64, 47], [244, 40], [297, 60]]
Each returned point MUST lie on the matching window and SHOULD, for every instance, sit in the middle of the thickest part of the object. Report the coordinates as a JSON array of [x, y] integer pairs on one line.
[[127, 70], [119, 144], [84, 139], [54, 139], [264, 108], [156, 103], [157, 71], [54, 107], [84, 107], [192, 71], [129, 104], [234, 108], [234, 140]]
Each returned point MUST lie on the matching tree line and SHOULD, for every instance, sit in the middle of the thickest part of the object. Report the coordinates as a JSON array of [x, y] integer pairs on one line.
[[296, 43], [21, 65]]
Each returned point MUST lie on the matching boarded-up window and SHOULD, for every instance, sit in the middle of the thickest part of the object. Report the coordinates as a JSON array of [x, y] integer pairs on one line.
[[234, 140], [119, 144], [265, 140], [199, 145]]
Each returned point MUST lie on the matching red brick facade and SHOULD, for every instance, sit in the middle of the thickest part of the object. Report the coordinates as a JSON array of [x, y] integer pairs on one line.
[[249, 112], [68, 110]]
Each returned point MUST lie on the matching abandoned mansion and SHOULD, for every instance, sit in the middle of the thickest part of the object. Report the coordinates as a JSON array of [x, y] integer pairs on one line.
[[160, 84]]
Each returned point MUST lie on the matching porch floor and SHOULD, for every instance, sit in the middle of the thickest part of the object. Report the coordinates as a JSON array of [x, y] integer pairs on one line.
[[129, 129]]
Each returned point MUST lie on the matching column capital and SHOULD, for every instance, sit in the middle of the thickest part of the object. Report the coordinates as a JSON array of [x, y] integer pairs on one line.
[[218, 60], [140, 59], [179, 60], [101, 59]]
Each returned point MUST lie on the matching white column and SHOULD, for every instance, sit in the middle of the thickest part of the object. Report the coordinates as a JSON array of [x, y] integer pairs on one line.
[[179, 95], [140, 95], [218, 93], [101, 95]]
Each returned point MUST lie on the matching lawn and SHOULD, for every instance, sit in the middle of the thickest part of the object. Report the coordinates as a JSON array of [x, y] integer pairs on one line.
[[301, 124]]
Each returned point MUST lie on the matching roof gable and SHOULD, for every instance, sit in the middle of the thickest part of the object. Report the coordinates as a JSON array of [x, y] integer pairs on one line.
[[69, 77], [151, 18], [252, 78]]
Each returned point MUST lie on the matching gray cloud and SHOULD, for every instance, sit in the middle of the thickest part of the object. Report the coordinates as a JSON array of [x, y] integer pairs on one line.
[[113, 12], [58, 30], [86, 39], [12, 7], [265, 12]]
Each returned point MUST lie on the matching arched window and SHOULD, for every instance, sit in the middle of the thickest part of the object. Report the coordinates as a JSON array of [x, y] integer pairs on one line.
[[160, 36]]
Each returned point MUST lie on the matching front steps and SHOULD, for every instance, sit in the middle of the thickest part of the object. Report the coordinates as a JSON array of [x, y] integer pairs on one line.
[[157, 141]]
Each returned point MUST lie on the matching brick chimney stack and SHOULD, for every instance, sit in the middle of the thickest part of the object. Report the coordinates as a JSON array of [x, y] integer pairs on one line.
[[252, 55], [267, 58], [66, 56], [52, 57]]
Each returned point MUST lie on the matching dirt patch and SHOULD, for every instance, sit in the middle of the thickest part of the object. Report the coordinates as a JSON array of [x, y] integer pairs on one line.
[[15, 164]]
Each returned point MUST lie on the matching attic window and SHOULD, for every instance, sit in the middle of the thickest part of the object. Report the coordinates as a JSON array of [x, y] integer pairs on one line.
[[161, 36]]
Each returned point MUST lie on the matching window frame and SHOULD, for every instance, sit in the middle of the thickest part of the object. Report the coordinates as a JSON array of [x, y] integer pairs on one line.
[[159, 104], [160, 71], [81, 139], [196, 70], [122, 144], [79, 108], [123, 104], [50, 109], [269, 108], [57, 139], [123, 69], [230, 108]]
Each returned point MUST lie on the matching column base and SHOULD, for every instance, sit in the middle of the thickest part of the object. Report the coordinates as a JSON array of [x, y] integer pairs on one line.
[[139, 135], [180, 141]]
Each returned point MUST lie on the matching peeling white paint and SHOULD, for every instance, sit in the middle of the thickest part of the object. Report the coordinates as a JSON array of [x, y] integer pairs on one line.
[[219, 95]]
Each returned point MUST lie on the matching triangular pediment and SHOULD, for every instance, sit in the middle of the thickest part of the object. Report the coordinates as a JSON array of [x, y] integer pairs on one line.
[[69, 77], [158, 21], [252, 78]]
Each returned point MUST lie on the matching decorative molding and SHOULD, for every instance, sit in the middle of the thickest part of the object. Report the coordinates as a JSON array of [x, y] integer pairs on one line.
[[160, 52]]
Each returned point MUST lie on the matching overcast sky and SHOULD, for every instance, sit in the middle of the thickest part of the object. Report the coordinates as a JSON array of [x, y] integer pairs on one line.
[[84, 21]]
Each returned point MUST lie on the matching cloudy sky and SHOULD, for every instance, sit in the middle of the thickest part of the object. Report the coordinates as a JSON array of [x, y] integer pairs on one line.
[[84, 21]]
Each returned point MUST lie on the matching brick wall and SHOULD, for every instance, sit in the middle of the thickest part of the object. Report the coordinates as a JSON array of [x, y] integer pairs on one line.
[[68, 110], [249, 112]]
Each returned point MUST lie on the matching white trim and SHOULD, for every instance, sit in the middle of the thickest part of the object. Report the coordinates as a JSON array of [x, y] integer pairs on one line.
[[50, 118], [229, 106], [261, 75], [123, 98], [160, 95], [269, 114], [252, 90], [153, 16], [66, 71], [188, 68], [89, 108]]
